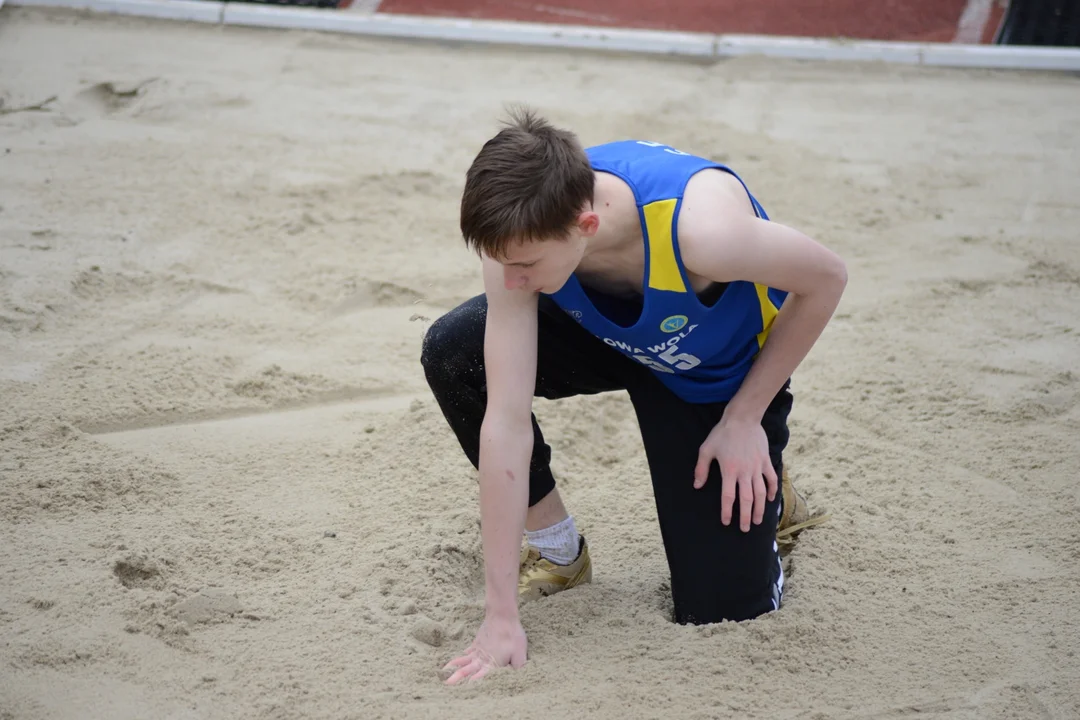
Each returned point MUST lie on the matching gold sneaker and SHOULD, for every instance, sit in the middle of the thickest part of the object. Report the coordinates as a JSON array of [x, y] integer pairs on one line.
[[539, 577], [796, 514]]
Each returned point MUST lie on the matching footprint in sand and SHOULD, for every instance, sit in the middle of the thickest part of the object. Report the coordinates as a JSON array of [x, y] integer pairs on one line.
[[138, 571], [110, 97], [433, 633]]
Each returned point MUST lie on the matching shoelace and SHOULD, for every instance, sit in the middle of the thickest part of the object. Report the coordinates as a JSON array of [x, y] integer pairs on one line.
[[787, 535], [531, 560]]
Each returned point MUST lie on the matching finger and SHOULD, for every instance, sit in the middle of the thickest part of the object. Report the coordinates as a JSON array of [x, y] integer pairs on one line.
[[701, 471], [459, 661], [771, 479], [465, 672], [480, 673], [727, 496], [759, 498], [746, 502], [482, 655]]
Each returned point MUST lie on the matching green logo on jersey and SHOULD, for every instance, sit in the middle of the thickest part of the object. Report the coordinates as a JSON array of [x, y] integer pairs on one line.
[[673, 323]]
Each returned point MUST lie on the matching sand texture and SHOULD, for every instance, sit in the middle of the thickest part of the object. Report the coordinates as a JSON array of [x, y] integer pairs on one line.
[[225, 489]]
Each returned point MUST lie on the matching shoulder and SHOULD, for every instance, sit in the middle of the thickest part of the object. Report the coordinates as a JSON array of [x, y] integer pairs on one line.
[[713, 194], [722, 238], [716, 209]]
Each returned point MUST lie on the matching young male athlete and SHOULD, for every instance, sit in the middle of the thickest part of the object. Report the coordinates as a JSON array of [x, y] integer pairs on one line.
[[627, 266]]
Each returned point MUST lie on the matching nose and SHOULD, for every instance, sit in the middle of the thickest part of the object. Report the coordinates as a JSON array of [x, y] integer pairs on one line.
[[513, 279]]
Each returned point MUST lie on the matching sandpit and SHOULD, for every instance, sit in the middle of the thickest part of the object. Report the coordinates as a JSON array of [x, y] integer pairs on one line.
[[225, 490]]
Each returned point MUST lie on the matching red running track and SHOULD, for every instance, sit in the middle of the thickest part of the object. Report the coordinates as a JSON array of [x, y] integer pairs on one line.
[[916, 20]]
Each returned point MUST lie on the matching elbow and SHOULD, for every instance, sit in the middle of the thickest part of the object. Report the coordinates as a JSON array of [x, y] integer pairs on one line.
[[501, 428], [841, 275], [838, 275]]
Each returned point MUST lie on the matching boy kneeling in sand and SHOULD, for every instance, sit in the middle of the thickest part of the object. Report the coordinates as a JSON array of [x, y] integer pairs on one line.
[[627, 266]]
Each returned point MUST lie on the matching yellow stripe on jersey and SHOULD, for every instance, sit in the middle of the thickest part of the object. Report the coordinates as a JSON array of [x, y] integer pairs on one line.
[[768, 313], [663, 270]]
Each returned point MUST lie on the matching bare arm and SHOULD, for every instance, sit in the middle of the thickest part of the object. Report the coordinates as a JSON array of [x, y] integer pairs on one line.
[[727, 245], [506, 436], [506, 441], [721, 239]]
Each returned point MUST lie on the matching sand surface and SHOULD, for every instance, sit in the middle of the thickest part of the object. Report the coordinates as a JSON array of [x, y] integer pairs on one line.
[[225, 491]]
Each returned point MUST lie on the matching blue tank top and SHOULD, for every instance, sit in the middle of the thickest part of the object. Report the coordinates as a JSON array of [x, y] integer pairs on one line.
[[701, 352]]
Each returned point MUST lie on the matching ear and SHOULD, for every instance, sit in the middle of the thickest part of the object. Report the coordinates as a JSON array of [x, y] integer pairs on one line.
[[588, 223]]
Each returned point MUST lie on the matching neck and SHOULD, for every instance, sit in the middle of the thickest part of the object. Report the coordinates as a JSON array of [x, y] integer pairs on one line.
[[614, 231]]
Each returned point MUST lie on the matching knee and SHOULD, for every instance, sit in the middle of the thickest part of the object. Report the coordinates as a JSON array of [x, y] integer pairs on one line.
[[436, 350], [738, 581]]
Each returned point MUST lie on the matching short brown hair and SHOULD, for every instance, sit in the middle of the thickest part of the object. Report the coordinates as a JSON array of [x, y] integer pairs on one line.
[[527, 183]]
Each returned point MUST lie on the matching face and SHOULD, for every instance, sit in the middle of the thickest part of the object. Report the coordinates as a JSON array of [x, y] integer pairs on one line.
[[545, 265]]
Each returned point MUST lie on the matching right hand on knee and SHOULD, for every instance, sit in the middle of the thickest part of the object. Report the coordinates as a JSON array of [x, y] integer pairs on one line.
[[499, 642]]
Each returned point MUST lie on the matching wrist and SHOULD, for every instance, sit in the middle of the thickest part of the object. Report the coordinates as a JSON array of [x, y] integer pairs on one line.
[[501, 609], [743, 409]]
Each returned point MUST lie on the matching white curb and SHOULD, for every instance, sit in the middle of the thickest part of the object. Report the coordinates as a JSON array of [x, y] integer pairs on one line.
[[71, 4], [819, 49], [191, 10], [1009, 57], [656, 42], [483, 31]]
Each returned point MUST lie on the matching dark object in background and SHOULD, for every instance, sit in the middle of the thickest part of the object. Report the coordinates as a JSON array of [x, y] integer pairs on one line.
[[298, 3], [1053, 23]]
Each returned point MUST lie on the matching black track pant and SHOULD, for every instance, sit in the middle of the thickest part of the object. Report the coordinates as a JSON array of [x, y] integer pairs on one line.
[[718, 572]]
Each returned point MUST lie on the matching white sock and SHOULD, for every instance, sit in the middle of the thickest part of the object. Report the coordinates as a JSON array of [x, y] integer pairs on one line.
[[558, 543]]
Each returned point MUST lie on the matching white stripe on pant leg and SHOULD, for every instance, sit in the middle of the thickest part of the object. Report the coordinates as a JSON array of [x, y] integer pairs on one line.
[[778, 589]]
